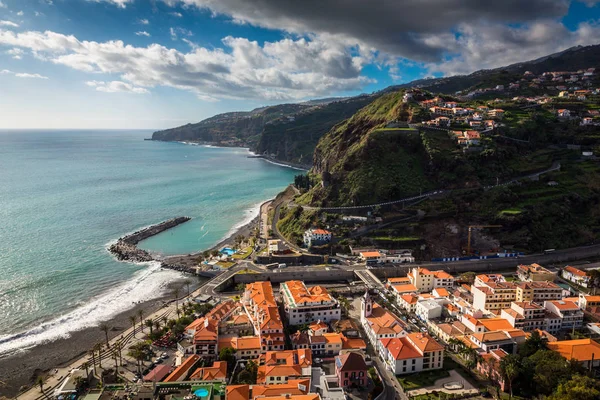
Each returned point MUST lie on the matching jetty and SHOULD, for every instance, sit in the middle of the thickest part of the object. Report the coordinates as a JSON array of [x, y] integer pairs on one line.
[[125, 249]]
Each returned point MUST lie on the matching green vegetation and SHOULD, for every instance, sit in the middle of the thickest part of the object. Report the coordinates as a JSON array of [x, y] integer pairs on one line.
[[245, 253], [294, 221], [422, 379]]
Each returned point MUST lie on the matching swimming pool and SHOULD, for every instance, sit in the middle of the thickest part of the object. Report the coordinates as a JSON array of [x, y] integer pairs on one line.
[[202, 392], [228, 250]]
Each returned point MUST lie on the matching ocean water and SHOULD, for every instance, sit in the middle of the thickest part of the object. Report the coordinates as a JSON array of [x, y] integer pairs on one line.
[[65, 195]]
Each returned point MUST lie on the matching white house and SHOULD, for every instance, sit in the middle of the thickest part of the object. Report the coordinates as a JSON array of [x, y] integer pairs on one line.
[[414, 353], [317, 237], [576, 276], [563, 113], [429, 309]]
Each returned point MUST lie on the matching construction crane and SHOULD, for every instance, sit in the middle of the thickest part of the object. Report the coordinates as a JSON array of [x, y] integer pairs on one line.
[[471, 227]]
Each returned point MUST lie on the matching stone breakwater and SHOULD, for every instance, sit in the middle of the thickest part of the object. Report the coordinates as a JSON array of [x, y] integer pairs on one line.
[[125, 249]]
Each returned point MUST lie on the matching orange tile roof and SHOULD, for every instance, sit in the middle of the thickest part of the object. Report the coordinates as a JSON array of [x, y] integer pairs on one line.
[[495, 324], [400, 348], [424, 342], [580, 350], [321, 232], [442, 292], [217, 371], [333, 338], [403, 279], [575, 271], [348, 344], [291, 388], [261, 294], [309, 396], [318, 326], [410, 298], [302, 294], [592, 298], [371, 254], [238, 392], [180, 372], [384, 322], [513, 313], [405, 288], [564, 305], [493, 336], [245, 343]]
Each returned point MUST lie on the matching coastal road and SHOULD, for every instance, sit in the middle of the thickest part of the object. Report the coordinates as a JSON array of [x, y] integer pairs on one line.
[[208, 289], [369, 279]]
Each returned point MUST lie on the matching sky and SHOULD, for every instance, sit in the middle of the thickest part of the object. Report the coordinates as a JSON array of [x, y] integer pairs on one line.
[[154, 64]]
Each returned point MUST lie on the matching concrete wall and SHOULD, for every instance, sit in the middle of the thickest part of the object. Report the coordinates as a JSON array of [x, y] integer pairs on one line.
[[309, 275], [302, 259]]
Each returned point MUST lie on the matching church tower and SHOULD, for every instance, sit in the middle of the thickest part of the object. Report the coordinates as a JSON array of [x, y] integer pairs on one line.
[[366, 305]]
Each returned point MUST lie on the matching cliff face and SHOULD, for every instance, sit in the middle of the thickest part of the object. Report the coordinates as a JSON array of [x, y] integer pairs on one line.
[[361, 160]]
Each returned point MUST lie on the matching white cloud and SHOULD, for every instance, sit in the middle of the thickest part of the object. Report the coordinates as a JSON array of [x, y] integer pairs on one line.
[[142, 33], [16, 53], [38, 14], [278, 71], [8, 23], [116, 87], [175, 32], [20, 13], [176, 14], [2, 5], [22, 74], [30, 76], [144, 22]]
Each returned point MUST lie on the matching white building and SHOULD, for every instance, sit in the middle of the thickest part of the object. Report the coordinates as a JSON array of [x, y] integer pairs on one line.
[[378, 322], [576, 276], [305, 305], [568, 312], [425, 280], [317, 237], [429, 309], [414, 353]]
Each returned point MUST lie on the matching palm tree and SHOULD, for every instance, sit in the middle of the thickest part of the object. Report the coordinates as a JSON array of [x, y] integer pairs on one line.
[[136, 354], [140, 314], [509, 367], [176, 296], [86, 366], [149, 324], [105, 328], [133, 321], [187, 283], [471, 356], [157, 325], [118, 348], [98, 347], [92, 352], [40, 381], [115, 354], [165, 320]]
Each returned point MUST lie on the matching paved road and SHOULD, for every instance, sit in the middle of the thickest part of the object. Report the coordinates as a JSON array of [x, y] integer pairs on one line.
[[369, 279]]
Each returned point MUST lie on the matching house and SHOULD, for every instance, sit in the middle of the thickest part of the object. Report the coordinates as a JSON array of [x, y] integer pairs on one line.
[[182, 372], [201, 336], [401, 289], [327, 344], [475, 124], [246, 347], [569, 312], [535, 273], [507, 340], [563, 113], [351, 370], [473, 137], [586, 351], [217, 372], [587, 121], [408, 302], [346, 327], [489, 366], [317, 237], [276, 246], [280, 366], [378, 322], [425, 280], [446, 332], [305, 305], [495, 324], [484, 279], [415, 352], [471, 323], [372, 257], [563, 93], [588, 302], [496, 113], [576, 275], [477, 117]]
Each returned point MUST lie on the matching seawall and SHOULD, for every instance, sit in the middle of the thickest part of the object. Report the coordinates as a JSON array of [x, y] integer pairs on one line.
[[126, 247]]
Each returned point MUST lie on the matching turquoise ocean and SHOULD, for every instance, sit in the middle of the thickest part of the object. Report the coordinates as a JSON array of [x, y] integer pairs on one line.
[[66, 195]]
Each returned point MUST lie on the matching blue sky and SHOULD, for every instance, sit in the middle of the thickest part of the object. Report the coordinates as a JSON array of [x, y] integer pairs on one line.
[[161, 63]]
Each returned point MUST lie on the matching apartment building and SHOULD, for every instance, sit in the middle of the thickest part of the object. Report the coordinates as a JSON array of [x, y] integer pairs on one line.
[[260, 305], [415, 352], [378, 322], [279, 366], [538, 291], [576, 275], [494, 296], [425, 280], [569, 313], [306, 305]]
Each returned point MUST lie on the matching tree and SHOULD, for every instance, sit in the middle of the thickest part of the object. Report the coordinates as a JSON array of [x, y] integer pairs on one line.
[[140, 314], [133, 321], [579, 387], [98, 348], [227, 354], [187, 283], [150, 324], [468, 277], [86, 366], [176, 293], [156, 325], [105, 328], [40, 381], [92, 353], [240, 287], [509, 368], [531, 346], [550, 369]]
